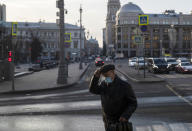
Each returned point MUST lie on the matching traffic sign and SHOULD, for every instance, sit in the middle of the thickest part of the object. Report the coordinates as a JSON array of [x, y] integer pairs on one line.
[[138, 39], [143, 19], [143, 28], [14, 28], [67, 37]]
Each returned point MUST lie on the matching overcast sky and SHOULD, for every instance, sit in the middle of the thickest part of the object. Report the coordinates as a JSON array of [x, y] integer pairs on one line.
[[94, 11]]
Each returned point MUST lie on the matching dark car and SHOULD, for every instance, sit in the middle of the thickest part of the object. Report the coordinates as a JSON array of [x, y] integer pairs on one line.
[[157, 65], [35, 67], [99, 62], [47, 64], [172, 63]]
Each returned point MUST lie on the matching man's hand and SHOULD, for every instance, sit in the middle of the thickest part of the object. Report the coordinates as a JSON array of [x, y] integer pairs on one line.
[[122, 119], [97, 73]]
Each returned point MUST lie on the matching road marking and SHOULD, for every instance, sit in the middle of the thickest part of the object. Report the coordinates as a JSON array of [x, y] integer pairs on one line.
[[174, 76], [159, 128], [181, 97], [127, 76], [164, 127], [177, 127], [143, 128]]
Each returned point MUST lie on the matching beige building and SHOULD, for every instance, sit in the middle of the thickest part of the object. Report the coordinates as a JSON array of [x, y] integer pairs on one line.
[[92, 47], [112, 8], [48, 33], [167, 33]]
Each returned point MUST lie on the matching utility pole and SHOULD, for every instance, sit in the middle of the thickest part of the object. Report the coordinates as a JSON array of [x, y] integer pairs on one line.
[[63, 66], [80, 65], [12, 53]]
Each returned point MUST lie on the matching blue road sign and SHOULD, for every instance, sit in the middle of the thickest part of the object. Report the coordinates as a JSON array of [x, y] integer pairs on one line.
[[143, 19], [143, 28]]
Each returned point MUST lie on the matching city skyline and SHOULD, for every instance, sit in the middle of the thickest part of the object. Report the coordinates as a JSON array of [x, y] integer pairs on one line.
[[94, 12]]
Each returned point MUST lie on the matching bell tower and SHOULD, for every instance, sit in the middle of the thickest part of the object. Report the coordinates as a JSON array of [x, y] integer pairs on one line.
[[112, 8]]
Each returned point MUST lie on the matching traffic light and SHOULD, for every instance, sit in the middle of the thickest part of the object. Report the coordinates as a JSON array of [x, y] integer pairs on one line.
[[10, 56]]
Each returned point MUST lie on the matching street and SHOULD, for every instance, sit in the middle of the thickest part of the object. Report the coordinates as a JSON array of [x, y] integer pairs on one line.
[[51, 49], [75, 109]]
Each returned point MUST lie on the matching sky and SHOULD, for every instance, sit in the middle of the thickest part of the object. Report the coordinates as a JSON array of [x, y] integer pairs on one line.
[[94, 11]]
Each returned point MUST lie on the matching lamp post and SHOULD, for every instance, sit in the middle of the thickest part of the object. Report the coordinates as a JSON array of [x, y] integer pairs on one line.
[[172, 36], [161, 48], [191, 47], [63, 67], [80, 64]]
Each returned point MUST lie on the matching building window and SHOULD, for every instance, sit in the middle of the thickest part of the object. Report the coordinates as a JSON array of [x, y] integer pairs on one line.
[[53, 45], [156, 30], [119, 45], [156, 38], [165, 30], [75, 44], [165, 37], [76, 34], [119, 37], [119, 29]]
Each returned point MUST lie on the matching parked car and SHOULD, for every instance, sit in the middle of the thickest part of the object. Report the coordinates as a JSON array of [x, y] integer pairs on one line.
[[108, 59], [172, 63], [99, 62], [182, 60], [157, 65], [90, 58], [140, 64], [184, 68], [35, 67], [132, 62]]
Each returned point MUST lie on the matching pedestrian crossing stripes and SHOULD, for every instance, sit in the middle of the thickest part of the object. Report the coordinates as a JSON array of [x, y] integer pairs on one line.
[[165, 127], [175, 76]]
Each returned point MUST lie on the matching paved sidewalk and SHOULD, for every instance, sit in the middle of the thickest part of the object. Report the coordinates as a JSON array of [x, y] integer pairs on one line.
[[45, 79], [22, 68], [135, 75]]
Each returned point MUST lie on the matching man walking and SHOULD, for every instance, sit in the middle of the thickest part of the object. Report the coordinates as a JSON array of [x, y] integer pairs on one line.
[[117, 97]]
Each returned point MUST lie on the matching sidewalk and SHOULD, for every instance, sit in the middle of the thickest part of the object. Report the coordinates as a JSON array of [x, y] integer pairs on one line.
[[22, 68], [134, 75], [44, 80]]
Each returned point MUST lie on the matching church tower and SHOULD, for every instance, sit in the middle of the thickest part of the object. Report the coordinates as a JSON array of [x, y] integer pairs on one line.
[[113, 7]]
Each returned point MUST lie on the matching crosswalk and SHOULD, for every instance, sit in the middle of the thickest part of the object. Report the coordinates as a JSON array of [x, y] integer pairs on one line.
[[165, 127], [174, 76]]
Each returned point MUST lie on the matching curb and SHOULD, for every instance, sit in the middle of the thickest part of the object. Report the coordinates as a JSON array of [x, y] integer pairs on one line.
[[48, 89], [24, 74], [140, 81], [72, 112]]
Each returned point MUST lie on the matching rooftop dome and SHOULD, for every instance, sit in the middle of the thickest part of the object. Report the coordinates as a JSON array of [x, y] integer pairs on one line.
[[130, 8]]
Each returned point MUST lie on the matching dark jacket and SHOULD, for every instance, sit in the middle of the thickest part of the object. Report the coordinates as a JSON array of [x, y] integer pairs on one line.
[[118, 99]]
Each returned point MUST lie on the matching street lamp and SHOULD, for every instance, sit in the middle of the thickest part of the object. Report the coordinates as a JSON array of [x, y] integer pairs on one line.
[[63, 67], [161, 48], [172, 35], [80, 64]]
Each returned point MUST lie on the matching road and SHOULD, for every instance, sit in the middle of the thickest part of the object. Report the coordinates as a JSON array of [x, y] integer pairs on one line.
[[75, 109]]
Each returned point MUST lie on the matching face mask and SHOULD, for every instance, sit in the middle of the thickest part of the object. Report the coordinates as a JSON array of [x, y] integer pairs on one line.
[[108, 80]]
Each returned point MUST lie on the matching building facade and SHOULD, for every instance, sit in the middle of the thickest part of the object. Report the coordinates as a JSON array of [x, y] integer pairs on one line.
[[92, 47], [167, 33], [113, 7], [48, 34]]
